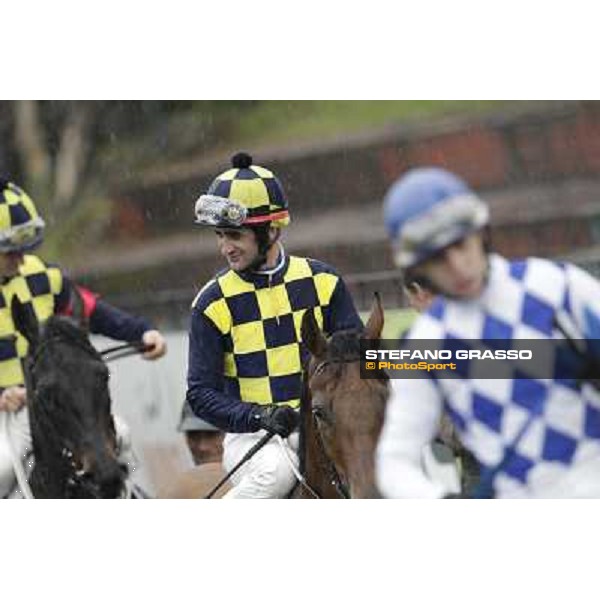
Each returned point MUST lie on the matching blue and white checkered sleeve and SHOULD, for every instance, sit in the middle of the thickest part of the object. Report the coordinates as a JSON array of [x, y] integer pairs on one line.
[[412, 420], [583, 303]]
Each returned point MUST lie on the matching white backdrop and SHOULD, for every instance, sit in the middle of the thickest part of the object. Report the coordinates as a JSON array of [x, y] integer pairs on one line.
[[148, 396]]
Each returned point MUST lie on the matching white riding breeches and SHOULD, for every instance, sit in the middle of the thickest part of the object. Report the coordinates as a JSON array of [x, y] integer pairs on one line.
[[267, 474], [20, 443], [440, 465]]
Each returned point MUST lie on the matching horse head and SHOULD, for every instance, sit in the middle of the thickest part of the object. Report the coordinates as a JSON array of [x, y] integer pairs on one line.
[[344, 413], [73, 433]]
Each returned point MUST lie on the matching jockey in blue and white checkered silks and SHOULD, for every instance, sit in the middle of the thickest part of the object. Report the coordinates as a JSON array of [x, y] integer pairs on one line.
[[534, 438]]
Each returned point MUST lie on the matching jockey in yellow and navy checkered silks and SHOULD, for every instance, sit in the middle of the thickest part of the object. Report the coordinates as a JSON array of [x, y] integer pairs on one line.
[[245, 342], [41, 285]]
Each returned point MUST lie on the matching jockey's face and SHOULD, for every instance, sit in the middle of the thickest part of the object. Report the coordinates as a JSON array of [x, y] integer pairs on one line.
[[459, 270], [238, 246], [10, 263]]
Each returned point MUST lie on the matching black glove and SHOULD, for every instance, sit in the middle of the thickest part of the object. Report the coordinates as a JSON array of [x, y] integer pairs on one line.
[[281, 420]]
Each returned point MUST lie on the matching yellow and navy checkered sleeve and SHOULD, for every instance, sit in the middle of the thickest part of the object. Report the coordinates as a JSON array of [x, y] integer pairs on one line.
[[213, 387], [339, 312], [210, 302]]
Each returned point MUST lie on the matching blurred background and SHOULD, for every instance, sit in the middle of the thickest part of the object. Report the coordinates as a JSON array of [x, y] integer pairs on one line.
[[116, 183]]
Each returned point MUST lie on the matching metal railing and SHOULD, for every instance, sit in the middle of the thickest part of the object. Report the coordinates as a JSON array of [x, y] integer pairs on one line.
[[171, 308]]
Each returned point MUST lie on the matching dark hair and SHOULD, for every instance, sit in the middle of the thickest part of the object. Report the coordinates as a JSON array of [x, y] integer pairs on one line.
[[409, 281]]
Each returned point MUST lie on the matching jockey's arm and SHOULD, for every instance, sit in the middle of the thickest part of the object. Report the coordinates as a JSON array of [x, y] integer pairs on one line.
[[412, 417], [584, 301], [205, 393], [112, 322]]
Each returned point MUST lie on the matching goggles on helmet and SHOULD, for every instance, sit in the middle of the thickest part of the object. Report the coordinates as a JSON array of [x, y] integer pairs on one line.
[[219, 212], [22, 237], [444, 224]]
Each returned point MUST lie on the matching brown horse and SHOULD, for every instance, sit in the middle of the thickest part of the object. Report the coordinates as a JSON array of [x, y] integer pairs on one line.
[[342, 414], [196, 482], [341, 419]]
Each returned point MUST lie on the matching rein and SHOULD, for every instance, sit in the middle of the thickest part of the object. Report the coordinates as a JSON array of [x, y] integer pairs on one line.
[[124, 350]]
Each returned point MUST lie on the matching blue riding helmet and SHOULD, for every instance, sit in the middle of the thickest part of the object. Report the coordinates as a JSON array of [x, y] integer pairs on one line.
[[427, 209]]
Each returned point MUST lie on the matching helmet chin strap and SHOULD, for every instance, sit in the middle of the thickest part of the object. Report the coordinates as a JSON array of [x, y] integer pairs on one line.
[[264, 245]]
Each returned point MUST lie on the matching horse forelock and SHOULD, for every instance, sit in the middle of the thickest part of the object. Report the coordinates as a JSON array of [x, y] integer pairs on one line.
[[357, 403], [60, 328], [344, 345]]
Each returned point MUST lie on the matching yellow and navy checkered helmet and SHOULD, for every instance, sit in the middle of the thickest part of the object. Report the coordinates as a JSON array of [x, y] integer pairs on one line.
[[21, 227], [243, 196]]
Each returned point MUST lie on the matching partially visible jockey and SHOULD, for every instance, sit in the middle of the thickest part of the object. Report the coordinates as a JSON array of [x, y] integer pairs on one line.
[[204, 441], [533, 437], [246, 353], [439, 459], [47, 290]]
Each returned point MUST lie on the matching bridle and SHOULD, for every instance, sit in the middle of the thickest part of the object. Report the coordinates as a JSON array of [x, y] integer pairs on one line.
[[316, 416], [334, 476]]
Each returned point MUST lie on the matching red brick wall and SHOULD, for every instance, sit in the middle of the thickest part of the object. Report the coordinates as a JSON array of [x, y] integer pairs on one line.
[[491, 152]]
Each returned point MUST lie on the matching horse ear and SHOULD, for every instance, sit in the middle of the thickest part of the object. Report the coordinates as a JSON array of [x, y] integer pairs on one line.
[[78, 309], [25, 321], [312, 336], [376, 319]]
